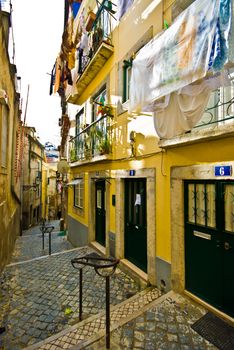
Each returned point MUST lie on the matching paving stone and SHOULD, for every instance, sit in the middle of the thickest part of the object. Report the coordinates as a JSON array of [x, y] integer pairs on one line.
[[35, 295]]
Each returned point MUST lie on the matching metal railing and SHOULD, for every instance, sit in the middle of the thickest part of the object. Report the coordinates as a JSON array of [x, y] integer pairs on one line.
[[93, 140], [220, 109], [100, 32]]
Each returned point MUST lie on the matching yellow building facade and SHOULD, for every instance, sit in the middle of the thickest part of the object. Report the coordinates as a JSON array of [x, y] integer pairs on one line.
[[162, 206], [10, 190]]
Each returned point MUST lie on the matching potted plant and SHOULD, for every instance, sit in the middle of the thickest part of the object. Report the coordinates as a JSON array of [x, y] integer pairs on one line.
[[104, 146], [72, 155]]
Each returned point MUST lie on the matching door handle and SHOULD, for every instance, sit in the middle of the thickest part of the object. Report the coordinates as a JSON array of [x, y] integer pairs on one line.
[[227, 246], [217, 244], [137, 227]]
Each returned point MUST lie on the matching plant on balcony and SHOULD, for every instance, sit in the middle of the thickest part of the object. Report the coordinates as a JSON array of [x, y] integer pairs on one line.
[[105, 110], [72, 155], [87, 148], [104, 146]]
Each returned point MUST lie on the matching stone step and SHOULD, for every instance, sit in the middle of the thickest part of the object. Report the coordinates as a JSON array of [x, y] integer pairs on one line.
[[93, 328]]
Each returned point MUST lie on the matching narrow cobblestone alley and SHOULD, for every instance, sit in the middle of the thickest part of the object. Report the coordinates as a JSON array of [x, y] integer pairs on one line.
[[117, 175], [39, 293], [39, 299]]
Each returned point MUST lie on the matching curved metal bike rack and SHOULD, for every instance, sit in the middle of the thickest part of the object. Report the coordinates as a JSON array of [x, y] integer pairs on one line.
[[46, 229], [104, 267]]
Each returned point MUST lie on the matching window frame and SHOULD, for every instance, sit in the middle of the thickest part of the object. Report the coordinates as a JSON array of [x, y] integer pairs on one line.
[[4, 114], [80, 121], [78, 195], [127, 70]]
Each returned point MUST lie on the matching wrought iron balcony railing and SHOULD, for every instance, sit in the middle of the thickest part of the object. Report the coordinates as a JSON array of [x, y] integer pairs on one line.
[[100, 33], [220, 109], [93, 140]]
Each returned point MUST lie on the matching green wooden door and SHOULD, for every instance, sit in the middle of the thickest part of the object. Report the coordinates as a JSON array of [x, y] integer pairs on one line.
[[135, 222], [100, 212], [209, 242]]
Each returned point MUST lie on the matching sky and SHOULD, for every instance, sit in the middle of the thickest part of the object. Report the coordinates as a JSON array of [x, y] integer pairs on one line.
[[37, 28]]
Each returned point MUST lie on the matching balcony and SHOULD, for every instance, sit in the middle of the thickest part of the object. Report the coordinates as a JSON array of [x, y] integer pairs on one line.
[[93, 141], [217, 120], [101, 49]]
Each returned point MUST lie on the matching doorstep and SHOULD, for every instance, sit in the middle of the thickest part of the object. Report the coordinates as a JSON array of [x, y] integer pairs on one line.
[[133, 271]]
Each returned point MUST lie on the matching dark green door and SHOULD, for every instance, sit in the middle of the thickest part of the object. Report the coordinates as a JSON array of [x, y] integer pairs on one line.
[[209, 242], [135, 222], [100, 213]]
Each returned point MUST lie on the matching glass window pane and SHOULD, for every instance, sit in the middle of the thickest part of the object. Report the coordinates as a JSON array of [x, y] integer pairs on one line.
[[210, 204], [229, 208], [78, 195], [99, 199], [191, 203], [200, 204], [128, 78]]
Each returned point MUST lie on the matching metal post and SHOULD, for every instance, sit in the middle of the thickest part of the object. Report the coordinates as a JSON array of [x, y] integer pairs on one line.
[[80, 295], [43, 243], [49, 242], [107, 312]]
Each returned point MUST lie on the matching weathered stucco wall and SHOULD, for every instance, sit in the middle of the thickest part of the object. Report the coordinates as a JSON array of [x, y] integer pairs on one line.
[[9, 190]]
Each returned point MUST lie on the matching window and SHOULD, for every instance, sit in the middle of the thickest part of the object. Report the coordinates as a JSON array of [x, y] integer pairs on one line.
[[4, 135], [99, 100], [80, 140], [127, 71], [79, 195], [80, 122]]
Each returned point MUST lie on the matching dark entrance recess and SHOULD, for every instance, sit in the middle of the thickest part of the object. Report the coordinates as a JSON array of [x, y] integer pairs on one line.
[[135, 222], [100, 209], [209, 242]]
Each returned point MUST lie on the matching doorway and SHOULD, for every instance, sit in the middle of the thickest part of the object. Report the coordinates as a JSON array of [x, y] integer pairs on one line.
[[135, 230], [100, 212], [209, 241]]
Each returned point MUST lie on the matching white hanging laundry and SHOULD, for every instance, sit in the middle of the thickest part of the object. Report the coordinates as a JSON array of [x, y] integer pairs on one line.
[[183, 109], [181, 55]]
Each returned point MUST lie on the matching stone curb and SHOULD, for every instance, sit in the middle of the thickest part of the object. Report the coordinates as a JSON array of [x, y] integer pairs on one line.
[[43, 257]]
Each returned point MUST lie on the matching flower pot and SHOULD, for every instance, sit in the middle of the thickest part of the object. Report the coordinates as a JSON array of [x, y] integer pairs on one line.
[[90, 20]]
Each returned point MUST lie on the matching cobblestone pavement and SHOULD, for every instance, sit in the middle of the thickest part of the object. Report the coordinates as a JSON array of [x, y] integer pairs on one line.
[[36, 229], [30, 246], [39, 306], [96, 325], [164, 326], [39, 298], [147, 321]]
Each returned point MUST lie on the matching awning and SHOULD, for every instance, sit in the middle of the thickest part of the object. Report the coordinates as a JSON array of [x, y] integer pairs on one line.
[[75, 182]]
